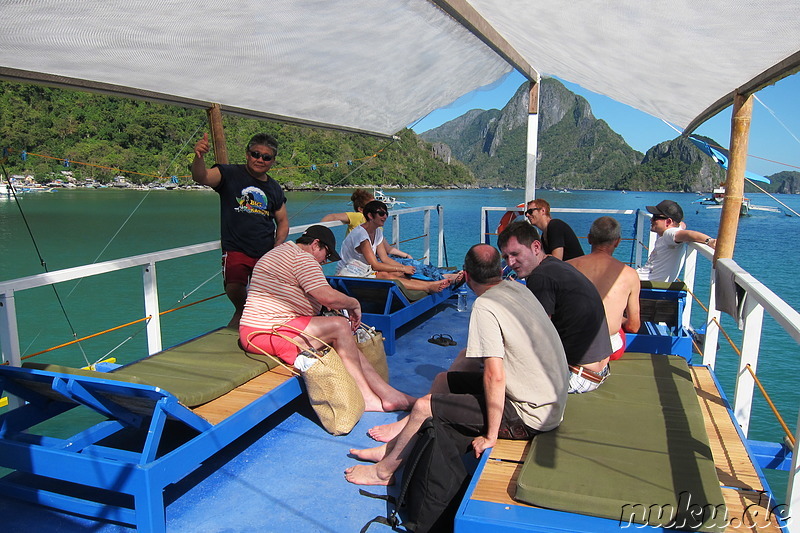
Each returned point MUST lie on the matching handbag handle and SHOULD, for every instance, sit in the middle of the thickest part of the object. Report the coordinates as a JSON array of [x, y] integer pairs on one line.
[[276, 359], [312, 351]]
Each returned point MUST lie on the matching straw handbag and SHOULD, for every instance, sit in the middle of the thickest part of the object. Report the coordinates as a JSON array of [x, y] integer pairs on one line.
[[331, 389], [370, 342]]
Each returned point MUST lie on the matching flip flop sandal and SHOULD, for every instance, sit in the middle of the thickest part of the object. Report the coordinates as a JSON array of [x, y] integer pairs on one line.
[[442, 339]]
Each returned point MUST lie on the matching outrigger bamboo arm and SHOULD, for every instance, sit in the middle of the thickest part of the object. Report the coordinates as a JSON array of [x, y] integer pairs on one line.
[[217, 134], [734, 182]]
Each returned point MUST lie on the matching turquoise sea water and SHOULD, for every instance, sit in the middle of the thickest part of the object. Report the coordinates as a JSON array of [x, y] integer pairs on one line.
[[76, 227]]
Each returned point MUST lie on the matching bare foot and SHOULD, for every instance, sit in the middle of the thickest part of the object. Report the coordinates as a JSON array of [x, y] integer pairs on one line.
[[387, 432], [372, 402], [366, 475], [373, 405], [399, 402], [438, 286], [455, 277], [369, 454]]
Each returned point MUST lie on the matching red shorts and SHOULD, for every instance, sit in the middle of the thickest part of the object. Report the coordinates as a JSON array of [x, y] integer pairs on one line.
[[616, 355], [265, 341], [237, 267]]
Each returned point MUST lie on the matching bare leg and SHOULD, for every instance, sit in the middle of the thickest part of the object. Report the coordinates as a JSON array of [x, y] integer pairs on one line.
[[237, 294], [416, 284], [386, 432], [378, 395], [394, 452]]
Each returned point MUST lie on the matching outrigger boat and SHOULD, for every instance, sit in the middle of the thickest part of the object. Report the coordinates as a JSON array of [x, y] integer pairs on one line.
[[374, 67]]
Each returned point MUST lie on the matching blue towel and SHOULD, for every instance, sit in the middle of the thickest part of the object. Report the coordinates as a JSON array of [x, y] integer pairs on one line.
[[424, 271]]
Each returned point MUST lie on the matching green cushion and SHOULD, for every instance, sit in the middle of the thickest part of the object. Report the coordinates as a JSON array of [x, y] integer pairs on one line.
[[664, 285], [412, 295], [195, 372], [636, 442]]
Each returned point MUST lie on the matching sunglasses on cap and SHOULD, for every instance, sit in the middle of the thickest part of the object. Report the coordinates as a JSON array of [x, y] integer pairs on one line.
[[258, 155], [532, 209]]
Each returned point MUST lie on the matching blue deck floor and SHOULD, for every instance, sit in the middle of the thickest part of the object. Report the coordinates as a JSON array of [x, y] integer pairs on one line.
[[287, 474]]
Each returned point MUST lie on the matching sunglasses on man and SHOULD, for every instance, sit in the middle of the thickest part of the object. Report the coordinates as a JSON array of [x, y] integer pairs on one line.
[[327, 250], [532, 209], [258, 155]]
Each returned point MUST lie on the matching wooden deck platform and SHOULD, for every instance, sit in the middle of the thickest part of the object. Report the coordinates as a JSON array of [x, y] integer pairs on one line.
[[748, 508], [221, 408]]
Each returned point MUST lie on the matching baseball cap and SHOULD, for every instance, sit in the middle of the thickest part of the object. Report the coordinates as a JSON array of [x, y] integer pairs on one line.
[[326, 237], [667, 208]]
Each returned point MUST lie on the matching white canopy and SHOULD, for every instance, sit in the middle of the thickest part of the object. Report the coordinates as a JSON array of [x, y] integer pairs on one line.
[[378, 65]]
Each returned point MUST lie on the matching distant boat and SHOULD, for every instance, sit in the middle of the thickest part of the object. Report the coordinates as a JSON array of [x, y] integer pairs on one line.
[[717, 198], [390, 201]]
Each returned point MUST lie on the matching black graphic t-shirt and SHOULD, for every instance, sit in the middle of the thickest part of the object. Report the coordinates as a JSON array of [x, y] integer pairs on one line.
[[247, 208]]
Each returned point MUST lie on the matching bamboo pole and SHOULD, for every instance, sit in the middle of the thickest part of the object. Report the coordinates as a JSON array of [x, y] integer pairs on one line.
[[217, 134], [734, 180]]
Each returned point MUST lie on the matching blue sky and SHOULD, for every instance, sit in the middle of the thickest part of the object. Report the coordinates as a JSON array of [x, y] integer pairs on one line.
[[775, 139]]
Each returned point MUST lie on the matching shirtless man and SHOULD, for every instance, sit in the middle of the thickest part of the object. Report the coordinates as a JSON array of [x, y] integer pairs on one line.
[[617, 283]]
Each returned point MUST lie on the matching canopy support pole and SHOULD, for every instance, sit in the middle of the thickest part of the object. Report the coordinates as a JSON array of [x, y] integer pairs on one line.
[[533, 141], [734, 181], [217, 134]]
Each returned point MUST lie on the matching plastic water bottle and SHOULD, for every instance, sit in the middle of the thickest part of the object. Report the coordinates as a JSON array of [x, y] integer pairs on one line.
[[462, 300]]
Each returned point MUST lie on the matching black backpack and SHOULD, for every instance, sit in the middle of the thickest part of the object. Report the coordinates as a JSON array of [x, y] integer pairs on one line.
[[434, 481]]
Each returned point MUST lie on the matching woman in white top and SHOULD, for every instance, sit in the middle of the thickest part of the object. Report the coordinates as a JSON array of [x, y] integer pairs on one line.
[[365, 248]]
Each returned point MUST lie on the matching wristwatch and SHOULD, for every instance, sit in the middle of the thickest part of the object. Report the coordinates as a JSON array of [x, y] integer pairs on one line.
[[708, 240]]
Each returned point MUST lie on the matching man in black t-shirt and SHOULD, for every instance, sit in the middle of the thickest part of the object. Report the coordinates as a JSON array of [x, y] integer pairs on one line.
[[252, 212], [557, 237], [571, 300]]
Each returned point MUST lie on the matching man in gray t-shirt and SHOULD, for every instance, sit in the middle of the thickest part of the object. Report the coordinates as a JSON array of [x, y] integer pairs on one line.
[[521, 390]]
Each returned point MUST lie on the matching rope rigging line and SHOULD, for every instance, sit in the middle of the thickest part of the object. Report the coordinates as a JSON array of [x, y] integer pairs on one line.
[[180, 150], [757, 381], [771, 112], [771, 404], [43, 263], [121, 326], [680, 132], [366, 160]]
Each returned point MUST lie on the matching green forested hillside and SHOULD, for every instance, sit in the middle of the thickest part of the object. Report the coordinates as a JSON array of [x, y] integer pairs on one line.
[[153, 139]]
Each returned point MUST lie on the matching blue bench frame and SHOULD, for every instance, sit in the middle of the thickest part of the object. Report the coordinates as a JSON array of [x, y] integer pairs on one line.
[[391, 309], [671, 337], [82, 460]]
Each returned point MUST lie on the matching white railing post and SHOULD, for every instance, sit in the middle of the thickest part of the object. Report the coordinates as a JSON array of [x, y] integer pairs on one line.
[[426, 231], [151, 308], [9, 338], [712, 325], [483, 237], [440, 212], [753, 315], [689, 273], [793, 486], [641, 220], [396, 231]]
